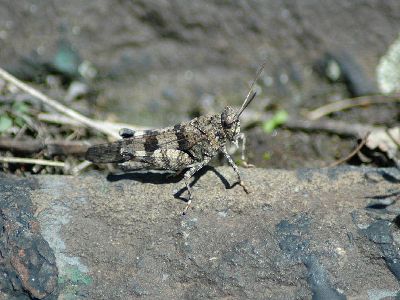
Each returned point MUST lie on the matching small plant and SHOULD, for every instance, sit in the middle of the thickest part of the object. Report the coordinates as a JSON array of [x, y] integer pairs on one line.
[[14, 115], [5, 122], [278, 119]]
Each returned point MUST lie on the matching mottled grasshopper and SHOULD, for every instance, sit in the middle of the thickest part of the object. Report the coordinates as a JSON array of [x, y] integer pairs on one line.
[[187, 146]]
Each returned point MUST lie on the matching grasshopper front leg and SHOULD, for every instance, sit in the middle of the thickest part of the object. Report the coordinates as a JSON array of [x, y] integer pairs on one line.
[[235, 168], [242, 137]]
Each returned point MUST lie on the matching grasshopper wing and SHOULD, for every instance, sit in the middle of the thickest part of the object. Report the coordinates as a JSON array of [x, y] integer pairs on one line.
[[105, 153], [180, 137]]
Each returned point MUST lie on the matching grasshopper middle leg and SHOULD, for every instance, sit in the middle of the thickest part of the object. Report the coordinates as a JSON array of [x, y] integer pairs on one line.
[[188, 175]]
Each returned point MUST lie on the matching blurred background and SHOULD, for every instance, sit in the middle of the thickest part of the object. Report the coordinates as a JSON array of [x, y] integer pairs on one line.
[[157, 63]]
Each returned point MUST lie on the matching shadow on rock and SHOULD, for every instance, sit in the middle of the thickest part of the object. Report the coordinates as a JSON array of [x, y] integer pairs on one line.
[[166, 178]]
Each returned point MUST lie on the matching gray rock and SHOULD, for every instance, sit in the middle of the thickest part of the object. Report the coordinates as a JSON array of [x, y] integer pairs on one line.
[[124, 237], [27, 264]]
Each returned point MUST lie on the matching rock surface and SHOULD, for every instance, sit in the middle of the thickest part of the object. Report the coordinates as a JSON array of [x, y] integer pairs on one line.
[[299, 235], [27, 263]]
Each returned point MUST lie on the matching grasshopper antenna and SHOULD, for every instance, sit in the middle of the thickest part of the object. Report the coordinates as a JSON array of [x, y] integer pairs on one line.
[[250, 95]]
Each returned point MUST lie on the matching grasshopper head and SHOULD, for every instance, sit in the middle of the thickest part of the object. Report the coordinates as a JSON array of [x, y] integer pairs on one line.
[[230, 123], [230, 118]]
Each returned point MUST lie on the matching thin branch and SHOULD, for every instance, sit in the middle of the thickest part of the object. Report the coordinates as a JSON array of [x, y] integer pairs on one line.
[[354, 152], [64, 120], [344, 129], [52, 147], [20, 160], [79, 168], [58, 106], [349, 103], [340, 128]]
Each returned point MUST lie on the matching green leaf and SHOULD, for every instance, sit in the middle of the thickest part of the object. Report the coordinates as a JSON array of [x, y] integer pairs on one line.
[[266, 156], [19, 121], [20, 107], [5, 123], [67, 59], [278, 119]]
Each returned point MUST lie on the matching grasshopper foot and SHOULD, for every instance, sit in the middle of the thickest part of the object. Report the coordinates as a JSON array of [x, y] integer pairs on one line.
[[245, 188], [189, 200], [187, 207]]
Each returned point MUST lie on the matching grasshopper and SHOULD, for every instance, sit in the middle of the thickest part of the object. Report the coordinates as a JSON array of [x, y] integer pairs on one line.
[[188, 146]]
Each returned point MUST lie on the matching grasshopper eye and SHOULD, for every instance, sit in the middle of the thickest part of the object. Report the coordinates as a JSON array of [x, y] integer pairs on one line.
[[228, 117], [227, 122]]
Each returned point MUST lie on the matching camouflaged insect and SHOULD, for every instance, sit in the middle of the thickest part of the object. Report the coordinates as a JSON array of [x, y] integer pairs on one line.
[[187, 146]]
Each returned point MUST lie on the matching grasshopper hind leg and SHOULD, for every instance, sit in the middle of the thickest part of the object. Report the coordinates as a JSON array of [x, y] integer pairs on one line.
[[165, 159]]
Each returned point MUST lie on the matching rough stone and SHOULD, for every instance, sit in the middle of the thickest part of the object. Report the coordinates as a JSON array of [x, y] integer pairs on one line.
[[298, 235], [27, 264]]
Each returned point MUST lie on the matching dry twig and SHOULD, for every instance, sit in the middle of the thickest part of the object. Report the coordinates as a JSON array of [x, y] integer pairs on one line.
[[354, 152], [21, 160], [339, 128], [79, 168], [52, 147], [349, 103], [58, 106], [64, 120]]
